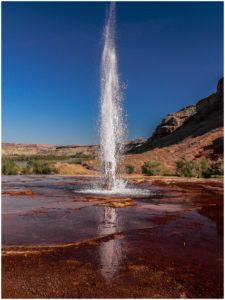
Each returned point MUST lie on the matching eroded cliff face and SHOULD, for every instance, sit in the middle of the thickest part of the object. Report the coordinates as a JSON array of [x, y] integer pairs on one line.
[[173, 121], [214, 102], [188, 123]]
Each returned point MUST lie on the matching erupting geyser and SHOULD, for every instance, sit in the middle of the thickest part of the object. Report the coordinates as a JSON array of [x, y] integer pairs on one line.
[[112, 126], [111, 112]]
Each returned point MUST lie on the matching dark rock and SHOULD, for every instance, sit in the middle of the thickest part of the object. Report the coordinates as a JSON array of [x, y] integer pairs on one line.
[[134, 144], [173, 121], [214, 102]]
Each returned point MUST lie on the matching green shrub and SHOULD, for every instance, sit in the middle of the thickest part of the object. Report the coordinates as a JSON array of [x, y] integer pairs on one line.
[[49, 157], [129, 169], [204, 168], [9, 167], [209, 170], [26, 171], [217, 168], [39, 167], [83, 156], [150, 168], [186, 168], [168, 173]]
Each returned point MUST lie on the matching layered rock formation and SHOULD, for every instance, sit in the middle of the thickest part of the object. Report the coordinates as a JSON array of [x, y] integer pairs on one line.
[[194, 132], [172, 121], [190, 121]]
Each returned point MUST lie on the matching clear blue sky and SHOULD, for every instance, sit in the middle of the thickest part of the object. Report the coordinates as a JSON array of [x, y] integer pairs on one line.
[[170, 55]]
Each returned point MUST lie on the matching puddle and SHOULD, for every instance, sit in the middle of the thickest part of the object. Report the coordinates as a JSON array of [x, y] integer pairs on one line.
[[166, 227]]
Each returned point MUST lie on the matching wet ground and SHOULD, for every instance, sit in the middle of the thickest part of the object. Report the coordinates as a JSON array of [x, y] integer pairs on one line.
[[60, 243]]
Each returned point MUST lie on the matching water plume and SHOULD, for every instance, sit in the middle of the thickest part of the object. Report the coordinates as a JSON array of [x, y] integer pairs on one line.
[[111, 112]]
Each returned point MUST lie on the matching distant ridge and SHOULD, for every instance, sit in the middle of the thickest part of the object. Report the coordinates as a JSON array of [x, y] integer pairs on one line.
[[45, 149]]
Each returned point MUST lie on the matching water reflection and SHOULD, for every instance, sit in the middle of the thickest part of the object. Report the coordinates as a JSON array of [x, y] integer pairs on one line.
[[215, 214], [110, 251]]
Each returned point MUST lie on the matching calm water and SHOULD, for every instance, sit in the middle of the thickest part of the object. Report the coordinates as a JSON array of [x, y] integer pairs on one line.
[[57, 213]]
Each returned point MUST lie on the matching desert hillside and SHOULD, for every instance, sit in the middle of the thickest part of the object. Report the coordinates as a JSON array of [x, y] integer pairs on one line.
[[9, 149], [194, 132], [44, 149]]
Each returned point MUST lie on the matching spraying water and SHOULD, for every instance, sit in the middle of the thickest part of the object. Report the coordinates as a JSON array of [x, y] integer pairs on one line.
[[111, 112], [112, 125]]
